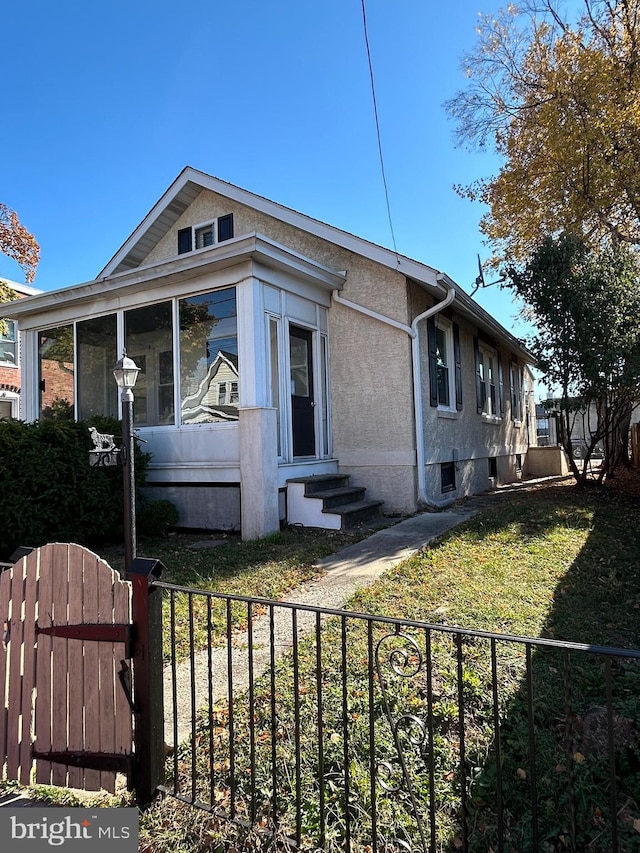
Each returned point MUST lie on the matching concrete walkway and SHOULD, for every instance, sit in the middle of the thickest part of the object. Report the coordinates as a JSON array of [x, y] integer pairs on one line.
[[353, 567]]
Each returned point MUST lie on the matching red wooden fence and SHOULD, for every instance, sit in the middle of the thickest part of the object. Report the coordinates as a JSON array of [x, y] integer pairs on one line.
[[66, 618]]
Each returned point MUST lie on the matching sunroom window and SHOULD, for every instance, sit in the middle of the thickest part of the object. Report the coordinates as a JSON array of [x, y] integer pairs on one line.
[[56, 366], [96, 355], [149, 342], [209, 358]]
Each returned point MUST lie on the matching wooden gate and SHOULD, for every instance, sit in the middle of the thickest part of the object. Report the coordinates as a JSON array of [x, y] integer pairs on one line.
[[64, 677]]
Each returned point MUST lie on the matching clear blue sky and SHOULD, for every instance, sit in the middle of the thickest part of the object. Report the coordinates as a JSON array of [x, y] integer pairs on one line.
[[104, 104]]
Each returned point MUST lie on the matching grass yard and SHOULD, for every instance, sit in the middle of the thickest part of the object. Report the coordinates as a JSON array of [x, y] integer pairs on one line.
[[265, 568], [553, 562]]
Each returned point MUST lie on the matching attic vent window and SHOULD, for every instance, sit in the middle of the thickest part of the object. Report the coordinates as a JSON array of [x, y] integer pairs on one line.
[[204, 236], [207, 234]]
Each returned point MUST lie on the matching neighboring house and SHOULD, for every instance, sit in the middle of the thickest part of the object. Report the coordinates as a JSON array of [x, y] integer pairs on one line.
[[275, 347], [10, 383], [584, 425]]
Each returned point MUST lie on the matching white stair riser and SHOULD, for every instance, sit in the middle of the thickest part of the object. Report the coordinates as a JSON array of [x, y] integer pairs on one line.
[[306, 510]]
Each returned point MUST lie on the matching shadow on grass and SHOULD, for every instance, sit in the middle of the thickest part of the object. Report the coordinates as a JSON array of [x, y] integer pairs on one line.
[[309, 741], [564, 773]]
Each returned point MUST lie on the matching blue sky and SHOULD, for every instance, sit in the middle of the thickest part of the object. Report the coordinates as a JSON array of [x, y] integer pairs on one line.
[[105, 104]]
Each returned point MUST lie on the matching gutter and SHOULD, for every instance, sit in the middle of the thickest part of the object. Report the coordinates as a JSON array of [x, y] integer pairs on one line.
[[412, 331]]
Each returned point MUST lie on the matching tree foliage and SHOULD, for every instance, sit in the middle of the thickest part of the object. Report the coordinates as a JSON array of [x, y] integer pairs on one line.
[[585, 305], [559, 100], [18, 243]]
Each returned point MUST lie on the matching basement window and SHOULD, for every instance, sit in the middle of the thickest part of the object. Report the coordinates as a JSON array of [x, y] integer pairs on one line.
[[493, 467], [447, 477], [206, 234]]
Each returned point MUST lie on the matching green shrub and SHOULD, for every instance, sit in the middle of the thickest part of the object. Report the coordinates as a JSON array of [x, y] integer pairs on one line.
[[154, 518], [48, 490]]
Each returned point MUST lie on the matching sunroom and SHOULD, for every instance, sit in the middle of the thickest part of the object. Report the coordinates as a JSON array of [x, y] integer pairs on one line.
[[232, 398]]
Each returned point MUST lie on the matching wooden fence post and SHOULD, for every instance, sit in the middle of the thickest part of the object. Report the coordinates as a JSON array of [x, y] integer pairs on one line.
[[147, 678]]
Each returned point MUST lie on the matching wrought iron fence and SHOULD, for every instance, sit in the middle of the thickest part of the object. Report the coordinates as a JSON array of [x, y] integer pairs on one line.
[[338, 730]]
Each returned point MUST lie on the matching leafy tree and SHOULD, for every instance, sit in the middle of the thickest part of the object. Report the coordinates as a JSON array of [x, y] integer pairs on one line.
[[17, 243], [560, 102], [585, 304]]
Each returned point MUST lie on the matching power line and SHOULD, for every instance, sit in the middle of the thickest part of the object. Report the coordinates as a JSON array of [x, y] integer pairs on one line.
[[375, 113]]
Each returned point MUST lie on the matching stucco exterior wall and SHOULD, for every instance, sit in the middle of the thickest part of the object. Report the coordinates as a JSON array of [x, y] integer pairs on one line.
[[370, 362], [464, 437]]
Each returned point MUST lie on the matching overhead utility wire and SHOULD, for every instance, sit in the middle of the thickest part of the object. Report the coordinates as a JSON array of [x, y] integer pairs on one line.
[[375, 113]]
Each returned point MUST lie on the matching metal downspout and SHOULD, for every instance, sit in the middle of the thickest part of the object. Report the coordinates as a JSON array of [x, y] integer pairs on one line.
[[417, 391], [412, 331]]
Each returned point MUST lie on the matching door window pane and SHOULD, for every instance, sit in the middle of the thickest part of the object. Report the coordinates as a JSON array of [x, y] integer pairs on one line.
[[209, 388], [149, 342], [56, 372], [300, 385], [97, 355]]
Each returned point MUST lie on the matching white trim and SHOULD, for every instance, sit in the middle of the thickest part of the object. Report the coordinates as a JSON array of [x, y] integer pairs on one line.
[[13, 399], [184, 275], [488, 352], [446, 326]]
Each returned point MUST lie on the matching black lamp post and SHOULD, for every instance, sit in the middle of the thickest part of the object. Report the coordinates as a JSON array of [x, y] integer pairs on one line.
[[125, 373]]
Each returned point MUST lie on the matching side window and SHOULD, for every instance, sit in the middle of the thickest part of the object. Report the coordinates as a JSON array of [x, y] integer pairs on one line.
[[516, 381], [206, 234], [9, 344], [445, 370], [488, 378], [489, 381]]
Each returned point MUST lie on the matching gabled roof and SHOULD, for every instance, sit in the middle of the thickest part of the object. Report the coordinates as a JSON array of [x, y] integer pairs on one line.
[[190, 183]]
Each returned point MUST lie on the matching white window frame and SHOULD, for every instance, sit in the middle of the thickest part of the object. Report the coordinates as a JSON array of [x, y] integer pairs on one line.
[[204, 228], [7, 362], [447, 327], [14, 401], [489, 378], [516, 388]]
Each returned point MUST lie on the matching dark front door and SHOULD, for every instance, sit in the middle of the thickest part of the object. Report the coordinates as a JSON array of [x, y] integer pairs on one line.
[[302, 399]]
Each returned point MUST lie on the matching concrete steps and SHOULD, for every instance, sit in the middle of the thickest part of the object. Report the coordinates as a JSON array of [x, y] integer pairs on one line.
[[328, 501]]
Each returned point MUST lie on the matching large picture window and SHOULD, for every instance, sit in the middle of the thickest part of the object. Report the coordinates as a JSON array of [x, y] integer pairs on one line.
[[149, 342], [96, 353], [209, 358]]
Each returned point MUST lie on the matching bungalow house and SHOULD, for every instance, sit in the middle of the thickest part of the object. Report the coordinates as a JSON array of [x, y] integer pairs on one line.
[[281, 357], [10, 382]]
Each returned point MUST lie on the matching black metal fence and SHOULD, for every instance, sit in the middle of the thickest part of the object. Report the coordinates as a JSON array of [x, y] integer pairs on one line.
[[339, 730]]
